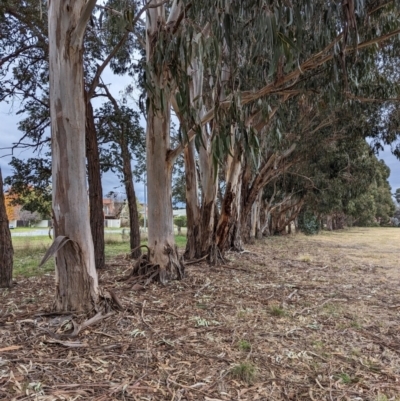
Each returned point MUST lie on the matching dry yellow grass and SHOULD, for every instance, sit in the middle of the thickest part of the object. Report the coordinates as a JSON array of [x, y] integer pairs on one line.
[[377, 247]]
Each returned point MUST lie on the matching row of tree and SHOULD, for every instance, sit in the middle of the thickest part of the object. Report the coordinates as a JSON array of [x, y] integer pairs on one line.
[[274, 101]]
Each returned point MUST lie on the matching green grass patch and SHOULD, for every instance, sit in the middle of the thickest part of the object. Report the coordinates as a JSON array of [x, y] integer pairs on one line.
[[27, 229], [29, 251], [244, 371], [180, 241], [244, 345], [347, 379], [277, 311]]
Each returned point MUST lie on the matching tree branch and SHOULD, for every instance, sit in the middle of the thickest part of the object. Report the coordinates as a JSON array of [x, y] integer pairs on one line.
[[79, 31], [15, 54], [100, 68], [312, 63]]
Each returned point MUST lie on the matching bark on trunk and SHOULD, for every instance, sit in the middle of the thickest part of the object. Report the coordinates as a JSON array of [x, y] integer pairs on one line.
[[230, 212], [208, 208], [95, 188], [6, 248], [255, 217], [163, 251], [131, 198], [193, 245], [76, 278]]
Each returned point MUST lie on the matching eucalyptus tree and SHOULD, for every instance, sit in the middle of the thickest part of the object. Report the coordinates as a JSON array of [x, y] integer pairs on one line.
[[110, 40], [219, 69], [77, 286], [281, 44], [6, 248], [352, 188]]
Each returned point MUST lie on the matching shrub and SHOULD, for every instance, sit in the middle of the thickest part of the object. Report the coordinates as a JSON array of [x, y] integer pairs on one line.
[[308, 223], [180, 221]]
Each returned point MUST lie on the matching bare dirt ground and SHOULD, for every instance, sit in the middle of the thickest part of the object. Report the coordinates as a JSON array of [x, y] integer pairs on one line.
[[294, 318]]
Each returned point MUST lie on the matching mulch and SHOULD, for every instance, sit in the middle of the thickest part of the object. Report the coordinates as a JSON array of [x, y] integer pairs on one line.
[[267, 325]]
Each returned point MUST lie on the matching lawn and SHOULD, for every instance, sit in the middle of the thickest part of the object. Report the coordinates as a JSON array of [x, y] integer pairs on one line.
[[291, 318], [29, 250]]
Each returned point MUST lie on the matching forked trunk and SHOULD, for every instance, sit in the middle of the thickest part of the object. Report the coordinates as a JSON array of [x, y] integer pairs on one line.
[[6, 248], [95, 188], [76, 277]]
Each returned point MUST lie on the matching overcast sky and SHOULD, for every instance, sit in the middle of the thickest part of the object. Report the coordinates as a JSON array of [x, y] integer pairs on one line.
[[9, 134]]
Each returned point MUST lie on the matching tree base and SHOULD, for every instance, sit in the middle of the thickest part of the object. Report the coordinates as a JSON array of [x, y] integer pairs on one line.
[[215, 256], [146, 270]]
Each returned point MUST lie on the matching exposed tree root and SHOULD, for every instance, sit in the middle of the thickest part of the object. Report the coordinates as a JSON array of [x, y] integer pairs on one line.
[[76, 327], [215, 256], [193, 262], [107, 306], [144, 270]]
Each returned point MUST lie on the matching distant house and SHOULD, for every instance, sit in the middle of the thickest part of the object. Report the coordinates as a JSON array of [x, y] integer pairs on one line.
[[112, 211], [108, 208]]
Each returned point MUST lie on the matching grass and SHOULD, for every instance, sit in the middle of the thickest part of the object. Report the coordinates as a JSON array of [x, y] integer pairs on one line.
[[305, 258], [29, 250], [363, 245], [276, 311], [347, 379], [27, 229], [244, 371], [244, 345]]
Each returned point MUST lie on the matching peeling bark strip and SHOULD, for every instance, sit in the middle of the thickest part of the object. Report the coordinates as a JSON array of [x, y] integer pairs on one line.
[[6, 248], [76, 277]]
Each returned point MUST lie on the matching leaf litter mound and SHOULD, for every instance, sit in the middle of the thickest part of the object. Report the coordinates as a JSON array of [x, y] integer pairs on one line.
[[290, 319]]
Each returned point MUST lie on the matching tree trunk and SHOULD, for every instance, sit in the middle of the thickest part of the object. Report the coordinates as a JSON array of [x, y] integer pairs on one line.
[[208, 180], [76, 278], [164, 263], [230, 212], [255, 217], [164, 253], [193, 245], [131, 198], [95, 188], [6, 248]]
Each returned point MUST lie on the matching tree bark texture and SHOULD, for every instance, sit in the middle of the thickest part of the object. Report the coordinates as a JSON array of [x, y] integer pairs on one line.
[[95, 188], [76, 278], [6, 248], [230, 209], [131, 198], [193, 245], [161, 241], [193, 213], [208, 183]]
